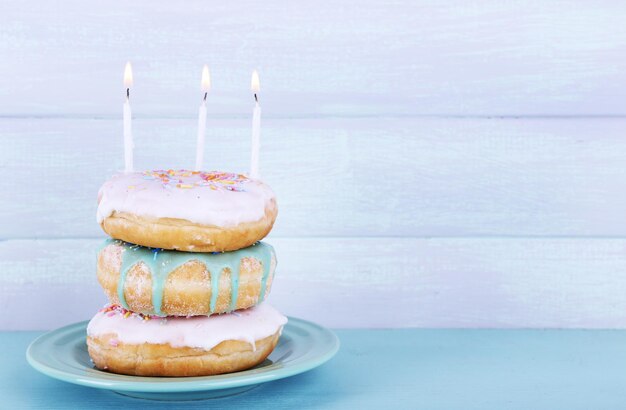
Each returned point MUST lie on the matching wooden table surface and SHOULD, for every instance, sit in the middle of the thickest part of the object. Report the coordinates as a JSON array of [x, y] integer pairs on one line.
[[437, 165], [410, 368]]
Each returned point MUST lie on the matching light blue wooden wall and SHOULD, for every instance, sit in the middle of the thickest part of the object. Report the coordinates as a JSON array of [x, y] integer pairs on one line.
[[438, 164]]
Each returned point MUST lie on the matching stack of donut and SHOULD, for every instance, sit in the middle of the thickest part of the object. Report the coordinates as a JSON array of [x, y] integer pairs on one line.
[[185, 274]]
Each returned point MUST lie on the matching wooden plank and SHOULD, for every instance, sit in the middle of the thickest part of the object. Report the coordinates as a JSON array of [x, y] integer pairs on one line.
[[360, 282], [341, 177], [356, 58], [378, 369]]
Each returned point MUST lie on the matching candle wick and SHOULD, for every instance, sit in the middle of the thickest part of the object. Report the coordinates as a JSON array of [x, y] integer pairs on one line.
[[256, 98], [204, 99], [128, 93]]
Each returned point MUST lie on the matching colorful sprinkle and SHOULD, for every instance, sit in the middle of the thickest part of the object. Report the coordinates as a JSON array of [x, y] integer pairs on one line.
[[112, 310], [214, 180]]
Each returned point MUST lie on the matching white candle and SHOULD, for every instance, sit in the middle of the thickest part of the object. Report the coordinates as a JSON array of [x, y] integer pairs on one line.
[[205, 86], [128, 134], [256, 127]]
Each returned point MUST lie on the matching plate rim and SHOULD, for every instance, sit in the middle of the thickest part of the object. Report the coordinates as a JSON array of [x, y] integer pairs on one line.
[[185, 384]]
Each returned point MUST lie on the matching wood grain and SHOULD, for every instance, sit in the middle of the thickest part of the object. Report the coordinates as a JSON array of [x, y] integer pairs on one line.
[[342, 177], [438, 369], [396, 209], [366, 282], [318, 58]]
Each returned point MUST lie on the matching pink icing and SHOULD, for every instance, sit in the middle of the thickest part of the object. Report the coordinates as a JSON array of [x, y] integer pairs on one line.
[[210, 198], [198, 331]]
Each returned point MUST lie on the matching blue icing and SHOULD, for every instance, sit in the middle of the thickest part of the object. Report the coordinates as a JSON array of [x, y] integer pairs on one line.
[[162, 262]]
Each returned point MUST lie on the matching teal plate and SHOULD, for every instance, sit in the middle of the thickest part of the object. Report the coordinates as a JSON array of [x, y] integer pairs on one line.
[[62, 354]]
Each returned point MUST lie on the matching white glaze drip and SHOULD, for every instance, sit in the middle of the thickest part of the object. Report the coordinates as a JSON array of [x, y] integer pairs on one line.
[[203, 332], [225, 201]]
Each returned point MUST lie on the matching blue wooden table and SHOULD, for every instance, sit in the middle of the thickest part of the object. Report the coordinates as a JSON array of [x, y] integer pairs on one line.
[[493, 369]]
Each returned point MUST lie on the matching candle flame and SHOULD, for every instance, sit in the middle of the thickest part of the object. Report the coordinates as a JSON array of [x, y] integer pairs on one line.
[[128, 75], [206, 79], [255, 84]]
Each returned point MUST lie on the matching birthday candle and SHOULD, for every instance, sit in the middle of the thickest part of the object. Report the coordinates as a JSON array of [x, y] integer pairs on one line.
[[205, 86], [256, 127], [128, 134]]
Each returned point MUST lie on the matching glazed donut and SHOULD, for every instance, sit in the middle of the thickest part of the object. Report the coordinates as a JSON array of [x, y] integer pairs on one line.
[[172, 283], [189, 211], [123, 342]]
